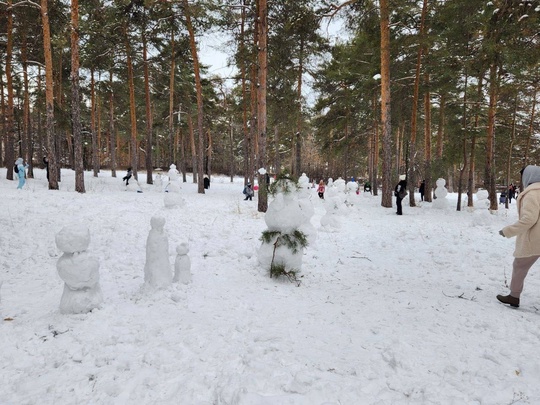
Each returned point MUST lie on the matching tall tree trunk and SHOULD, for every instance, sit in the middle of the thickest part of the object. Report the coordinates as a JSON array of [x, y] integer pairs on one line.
[[112, 131], [298, 160], [386, 200], [75, 99], [231, 151], [193, 148], [531, 125], [27, 130], [427, 142], [440, 129], [490, 138], [198, 87], [49, 97], [261, 102], [182, 154], [10, 132], [208, 166], [472, 159], [3, 136], [510, 150], [411, 175], [132, 108], [95, 148], [464, 126], [172, 149], [243, 76], [277, 158], [148, 109]]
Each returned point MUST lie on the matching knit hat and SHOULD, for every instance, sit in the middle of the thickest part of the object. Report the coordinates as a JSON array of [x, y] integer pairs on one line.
[[402, 177]]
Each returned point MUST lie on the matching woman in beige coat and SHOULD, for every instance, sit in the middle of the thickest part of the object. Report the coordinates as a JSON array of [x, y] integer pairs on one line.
[[527, 230]]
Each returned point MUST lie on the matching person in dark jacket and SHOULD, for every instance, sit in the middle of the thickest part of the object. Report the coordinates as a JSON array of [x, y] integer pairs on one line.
[[248, 192], [400, 192], [422, 190], [367, 187], [46, 163], [128, 175], [206, 182]]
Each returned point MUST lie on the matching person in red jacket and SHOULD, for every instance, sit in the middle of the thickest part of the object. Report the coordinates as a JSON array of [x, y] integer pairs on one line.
[[321, 189]]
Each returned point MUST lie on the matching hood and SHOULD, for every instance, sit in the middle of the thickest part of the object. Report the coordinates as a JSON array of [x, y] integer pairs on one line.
[[531, 174], [402, 177], [19, 161]]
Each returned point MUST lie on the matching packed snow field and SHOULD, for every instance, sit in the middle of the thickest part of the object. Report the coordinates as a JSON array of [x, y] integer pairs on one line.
[[390, 310]]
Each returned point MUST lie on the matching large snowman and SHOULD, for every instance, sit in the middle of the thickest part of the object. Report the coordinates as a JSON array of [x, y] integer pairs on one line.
[[79, 270], [285, 217]]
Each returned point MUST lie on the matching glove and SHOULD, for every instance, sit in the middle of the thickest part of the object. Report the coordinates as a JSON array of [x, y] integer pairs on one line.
[[501, 233]]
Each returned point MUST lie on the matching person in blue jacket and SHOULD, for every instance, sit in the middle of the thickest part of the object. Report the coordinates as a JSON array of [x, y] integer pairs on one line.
[[21, 172]]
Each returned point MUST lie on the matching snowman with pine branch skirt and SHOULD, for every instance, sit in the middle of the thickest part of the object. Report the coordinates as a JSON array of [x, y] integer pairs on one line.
[[289, 230]]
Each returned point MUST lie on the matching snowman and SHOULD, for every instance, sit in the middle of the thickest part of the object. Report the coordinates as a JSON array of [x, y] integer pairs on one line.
[[303, 180], [482, 198], [79, 270], [440, 192], [157, 269], [284, 216], [182, 264]]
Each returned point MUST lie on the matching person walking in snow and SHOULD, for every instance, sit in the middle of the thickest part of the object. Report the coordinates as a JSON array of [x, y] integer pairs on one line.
[[128, 176], [400, 191], [46, 163], [248, 192], [511, 193], [422, 190], [20, 169], [321, 189], [527, 232]]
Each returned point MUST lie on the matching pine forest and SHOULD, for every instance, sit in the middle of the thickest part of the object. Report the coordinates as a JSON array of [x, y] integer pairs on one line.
[[427, 88]]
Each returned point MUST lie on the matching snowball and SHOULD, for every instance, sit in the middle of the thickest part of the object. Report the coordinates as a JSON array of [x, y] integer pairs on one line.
[[73, 238]]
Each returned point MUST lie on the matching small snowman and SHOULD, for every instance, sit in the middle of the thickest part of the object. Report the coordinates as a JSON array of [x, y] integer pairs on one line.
[[182, 264], [157, 269], [440, 192], [79, 270], [173, 173], [158, 181], [303, 180], [340, 185], [482, 198]]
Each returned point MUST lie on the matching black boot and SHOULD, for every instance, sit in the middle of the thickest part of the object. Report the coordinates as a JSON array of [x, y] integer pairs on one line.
[[508, 299]]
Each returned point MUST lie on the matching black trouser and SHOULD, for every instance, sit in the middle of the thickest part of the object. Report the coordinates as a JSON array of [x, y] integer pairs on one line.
[[126, 179], [398, 203], [321, 195], [250, 198]]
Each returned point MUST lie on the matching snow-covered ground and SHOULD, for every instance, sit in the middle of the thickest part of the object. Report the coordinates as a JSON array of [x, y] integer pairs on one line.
[[391, 309]]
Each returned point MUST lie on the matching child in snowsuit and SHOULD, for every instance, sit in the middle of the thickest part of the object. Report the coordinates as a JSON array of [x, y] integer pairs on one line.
[[321, 190], [21, 172], [128, 176]]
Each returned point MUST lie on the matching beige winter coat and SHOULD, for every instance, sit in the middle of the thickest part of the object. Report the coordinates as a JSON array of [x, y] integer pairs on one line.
[[527, 228]]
